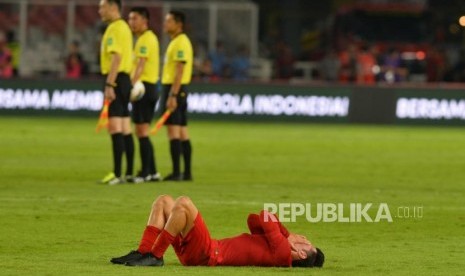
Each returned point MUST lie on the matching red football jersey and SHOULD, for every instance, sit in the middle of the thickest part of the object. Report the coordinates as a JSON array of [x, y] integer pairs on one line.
[[266, 245]]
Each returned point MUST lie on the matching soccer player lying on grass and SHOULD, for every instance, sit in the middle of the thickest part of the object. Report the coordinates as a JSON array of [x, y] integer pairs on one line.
[[179, 223]]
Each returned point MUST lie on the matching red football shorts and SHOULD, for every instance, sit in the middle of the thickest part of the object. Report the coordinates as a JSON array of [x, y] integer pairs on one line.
[[195, 248]]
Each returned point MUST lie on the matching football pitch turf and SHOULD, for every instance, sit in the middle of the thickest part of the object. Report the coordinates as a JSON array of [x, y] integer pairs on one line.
[[55, 219]]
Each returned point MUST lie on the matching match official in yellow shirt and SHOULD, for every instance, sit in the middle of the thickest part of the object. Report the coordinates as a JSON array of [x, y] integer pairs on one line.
[[116, 57], [177, 73], [145, 69]]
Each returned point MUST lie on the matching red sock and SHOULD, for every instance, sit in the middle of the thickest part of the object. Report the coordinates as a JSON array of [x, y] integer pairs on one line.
[[164, 240], [148, 239]]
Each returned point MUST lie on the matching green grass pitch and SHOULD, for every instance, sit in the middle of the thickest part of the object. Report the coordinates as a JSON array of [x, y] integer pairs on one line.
[[55, 219]]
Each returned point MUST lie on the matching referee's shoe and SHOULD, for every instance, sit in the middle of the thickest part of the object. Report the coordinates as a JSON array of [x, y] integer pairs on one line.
[[111, 179], [181, 177], [149, 178], [173, 177]]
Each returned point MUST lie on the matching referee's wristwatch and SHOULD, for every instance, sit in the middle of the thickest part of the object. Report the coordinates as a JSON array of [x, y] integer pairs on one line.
[[172, 94]]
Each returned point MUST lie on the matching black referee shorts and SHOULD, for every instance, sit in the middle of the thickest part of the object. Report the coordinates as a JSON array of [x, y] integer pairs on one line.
[[119, 106], [179, 116], [144, 109]]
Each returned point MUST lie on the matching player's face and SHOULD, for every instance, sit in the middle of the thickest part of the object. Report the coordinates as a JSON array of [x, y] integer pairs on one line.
[[170, 25], [136, 22], [104, 10]]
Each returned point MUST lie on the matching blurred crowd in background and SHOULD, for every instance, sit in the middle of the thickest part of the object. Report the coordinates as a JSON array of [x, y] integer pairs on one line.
[[349, 43], [219, 64], [356, 43], [7, 67]]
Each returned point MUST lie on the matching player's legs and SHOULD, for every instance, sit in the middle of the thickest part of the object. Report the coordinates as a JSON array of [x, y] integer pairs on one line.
[[159, 214], [180, 221], [161, 211]]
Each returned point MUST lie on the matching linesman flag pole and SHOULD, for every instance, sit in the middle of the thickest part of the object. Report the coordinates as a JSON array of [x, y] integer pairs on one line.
[[103, 118], [160, 122]]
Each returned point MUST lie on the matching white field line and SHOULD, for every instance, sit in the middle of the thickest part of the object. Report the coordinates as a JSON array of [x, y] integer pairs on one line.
[[64, 199], [203, 201]]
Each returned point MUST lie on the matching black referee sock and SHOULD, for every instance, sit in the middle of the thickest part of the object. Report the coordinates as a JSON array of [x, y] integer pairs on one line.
[[129, 149], [118, 150], [145, 152], [187, 154], [153, 164], [175, 150]]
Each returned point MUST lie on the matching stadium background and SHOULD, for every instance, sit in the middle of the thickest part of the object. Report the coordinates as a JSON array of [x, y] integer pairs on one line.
[[280, 68]]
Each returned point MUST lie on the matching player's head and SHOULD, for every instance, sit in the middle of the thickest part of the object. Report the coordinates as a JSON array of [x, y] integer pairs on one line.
[[174, 22], [308, 256], [109, 9], [139, 18]]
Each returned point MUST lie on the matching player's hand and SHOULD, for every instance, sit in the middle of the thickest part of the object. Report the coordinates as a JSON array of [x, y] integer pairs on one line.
[[172, 103], [295, 238], [293, 248], [110, 93]]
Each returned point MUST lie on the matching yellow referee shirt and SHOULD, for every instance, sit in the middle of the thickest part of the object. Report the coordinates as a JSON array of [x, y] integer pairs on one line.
[[147, 47], [117, 39], [179, 50]]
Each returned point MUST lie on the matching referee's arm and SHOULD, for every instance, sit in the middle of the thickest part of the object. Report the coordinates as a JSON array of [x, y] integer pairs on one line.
[[139, 69], [176, 86], [177, 77], [111, 78]]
